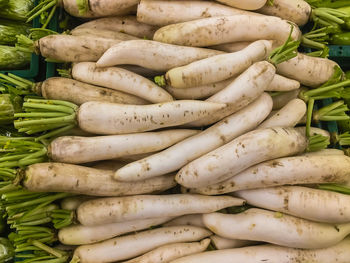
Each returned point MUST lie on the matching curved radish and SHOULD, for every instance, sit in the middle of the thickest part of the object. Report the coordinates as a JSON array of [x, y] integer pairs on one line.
[[180, 154], [309, 169], [191, 220], [120, 79], [218, 30], [81, 235], [248, 149], [280, 100], [104, 33], [280, 83], [59, 177], [247, 4], [73, 202], [111, 210], [232, 47], [260, 225], [153, 55], [217, 68], [224, 243], [70, 149], [111, 118], [118, 248], [312, 204]]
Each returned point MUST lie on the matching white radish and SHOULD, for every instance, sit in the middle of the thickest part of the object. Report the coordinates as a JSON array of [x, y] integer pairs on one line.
[[191, 220], [232, 47], [130, 246], [145, 72], [133, 158], [153, 55], [313, 131], [309, 169], [126, 24], [329, 151], [288, 116], [73, 202], [111, 210], [104, 33], [280, 100], [247, 4], [280, 83], [59, 177], [73, 149], [109, 165], [180, 154], [224, 243], [121, 80], [81, 235], [246, 150], [217, 68], [167, 253], [312, 204], [218, 30]]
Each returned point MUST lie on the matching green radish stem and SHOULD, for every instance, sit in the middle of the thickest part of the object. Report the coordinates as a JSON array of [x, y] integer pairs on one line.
[[335, 188], [328, 16], [332, 112]]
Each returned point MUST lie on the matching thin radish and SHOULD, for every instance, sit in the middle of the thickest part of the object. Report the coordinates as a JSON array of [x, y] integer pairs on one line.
[[183, 152], [217, 68], [121, 80], [247, 4], [81, 235], [232, 47], [167, 253], [111, 118], [309, 71], [72, 203], [166, 12], [124, 24], [153, 55], [280, 83], [234, 157], [111, 210], [339, 253], [224, 243], [70, 149], [312, 204], [80, 92], [59, 177], [280, 100], [297, 11], [288, 116], [218, 30], [311, 169], [104, 33], [129, 246], [187, 220]]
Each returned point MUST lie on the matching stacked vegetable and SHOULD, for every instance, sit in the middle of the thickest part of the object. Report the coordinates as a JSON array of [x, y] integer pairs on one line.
[[165, 149]]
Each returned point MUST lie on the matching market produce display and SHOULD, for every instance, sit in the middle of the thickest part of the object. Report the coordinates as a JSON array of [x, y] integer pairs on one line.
[[174, 131]]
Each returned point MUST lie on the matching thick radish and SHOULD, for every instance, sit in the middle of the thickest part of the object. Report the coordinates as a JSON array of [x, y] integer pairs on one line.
[[282, 99], [82, 235], [59, 177], [167, 253], [73, 149], [224, 243], [126, 24], [180, 154], [309, 169], [121, 80], [130, 246], [246, 5], [187, 220], [153, 55], [166, 12], [104, 33], [312, 204], [72, 203], [248, 149], [79, 92], [280, 83], [232, 47], [288, 116], [111, 210], [217, 68], [112, 118], [218, 30], [339, 253]]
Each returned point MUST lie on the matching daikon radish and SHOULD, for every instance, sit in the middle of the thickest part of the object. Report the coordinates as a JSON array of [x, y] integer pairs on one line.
[[224, 243], [104, 33], [191, 220], [280, 83], [232, 47], [283, 98], [247, 4], [109, 165], [72, 203]]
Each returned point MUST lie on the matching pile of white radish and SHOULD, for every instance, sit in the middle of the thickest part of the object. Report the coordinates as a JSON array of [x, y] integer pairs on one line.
[[184, 145]]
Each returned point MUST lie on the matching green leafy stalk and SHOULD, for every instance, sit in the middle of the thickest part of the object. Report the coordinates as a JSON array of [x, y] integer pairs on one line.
[[333, 112], [9, 30], [41, 8], [335, 188], [16, 9], [328, 17], [317, 142], [83, 6], [12, 58]]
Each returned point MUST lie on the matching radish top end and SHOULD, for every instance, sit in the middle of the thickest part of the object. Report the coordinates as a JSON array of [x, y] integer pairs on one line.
[[83, 6], [160, 80]]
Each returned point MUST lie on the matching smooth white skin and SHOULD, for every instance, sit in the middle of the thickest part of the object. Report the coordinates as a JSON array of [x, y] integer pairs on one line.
[[105, 33], [165, 12], [232, 47], [180, 154], [280, 83], [297, 11], [130, 246], [309, 71], [219, 67], [309, 169], [112, 210], [246, 88], [82, 235], [224, 243], [72, 203], [125, 24], [153, 55], [73, 149], [69, 178], [325, 152], [120, 79], [340, 253], [312, 204], [111, 118], [191, 220], [246, 150], [288, 116], [246, 4], [279, 101], [167, 253], [133, 158], [219, 30]]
